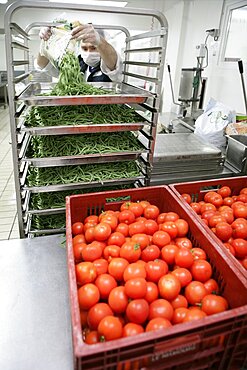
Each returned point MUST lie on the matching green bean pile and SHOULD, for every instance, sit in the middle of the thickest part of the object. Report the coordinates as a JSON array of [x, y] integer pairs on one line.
[[71, 80], [65, 145], [68, 115], [44, 222], [56, 199], [83, 173]]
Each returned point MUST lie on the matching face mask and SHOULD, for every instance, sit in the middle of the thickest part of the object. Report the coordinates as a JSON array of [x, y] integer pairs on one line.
[[91, 58]]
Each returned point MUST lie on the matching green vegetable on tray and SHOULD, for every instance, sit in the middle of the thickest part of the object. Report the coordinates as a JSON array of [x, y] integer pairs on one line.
[[68, 115], [56, 199], [83, 173], [96, 143]]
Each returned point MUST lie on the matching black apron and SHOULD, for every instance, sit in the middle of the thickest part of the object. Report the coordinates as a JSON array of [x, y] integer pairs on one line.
[[93, 70]]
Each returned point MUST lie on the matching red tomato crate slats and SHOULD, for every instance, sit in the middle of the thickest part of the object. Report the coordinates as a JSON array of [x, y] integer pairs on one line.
[[215, 342], [197, 189]]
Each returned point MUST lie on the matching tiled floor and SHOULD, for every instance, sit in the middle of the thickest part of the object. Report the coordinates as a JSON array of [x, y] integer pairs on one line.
[[8, 213]]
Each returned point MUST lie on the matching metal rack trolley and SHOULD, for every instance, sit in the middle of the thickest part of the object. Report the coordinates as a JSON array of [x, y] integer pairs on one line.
[[134, 91]]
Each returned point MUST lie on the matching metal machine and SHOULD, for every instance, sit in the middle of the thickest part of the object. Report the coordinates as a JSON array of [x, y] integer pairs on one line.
[[193, 85]]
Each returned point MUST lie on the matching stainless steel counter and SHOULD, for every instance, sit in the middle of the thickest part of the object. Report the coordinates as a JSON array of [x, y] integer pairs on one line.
[[35, 326]]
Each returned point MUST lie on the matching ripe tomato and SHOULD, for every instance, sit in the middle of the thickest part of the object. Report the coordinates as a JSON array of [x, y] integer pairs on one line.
[[97, 313], [198, 254], [179, 301], [136, 228], [150, 253], [158, 324], [228, 215], [141, 239], [77, 228], [101, 266], [89, 234], [137, 311], [80, 238], [171, 216], [240, 246], [207, 207], [216, 200], [208, 195], [196, 207], [169, 286], [211, 286], [77, 249], [168, 253], [102, 231], [134, 270], [184, 258], [179, 315], [201, 270], [161, 238], [224, 191], [183, 275], [151, 211], [132, 329], [195, 314], [118, 299], [182, 226], [144, 203], [239, 227], [111, 251], [242, 198], [116, 238], [85, 273], [160, 308], [110, 219], [155, 270], [212, 304], [223, 230], [161, 218], [183, 242], [123, 229], [240, 211], [91, 252], [244, 262], [136, 288], [88, 296], [171, 228], [194, 292], [136, 208], [105, 283], [91, 337], [117, 267], [152, 292], [110, 327], [207, 215], [215, 219], [130, 251], [230, 248], [126, 216], [186, 197], [228, 201], [243, 191], [93, 219], [151, 227]]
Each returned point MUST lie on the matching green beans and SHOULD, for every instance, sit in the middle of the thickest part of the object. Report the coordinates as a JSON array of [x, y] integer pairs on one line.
[[81, 174], [80, 115], [98, 143], [52, 200]]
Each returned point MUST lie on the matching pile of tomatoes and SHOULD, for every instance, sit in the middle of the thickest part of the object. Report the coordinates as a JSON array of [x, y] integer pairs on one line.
[[226, 215], [137, 271]]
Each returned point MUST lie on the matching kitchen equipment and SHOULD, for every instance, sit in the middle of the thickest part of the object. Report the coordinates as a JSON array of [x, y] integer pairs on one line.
[[236, 152]]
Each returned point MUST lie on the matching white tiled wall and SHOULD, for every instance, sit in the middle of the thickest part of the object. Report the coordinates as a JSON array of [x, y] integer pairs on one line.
[[8, 214]]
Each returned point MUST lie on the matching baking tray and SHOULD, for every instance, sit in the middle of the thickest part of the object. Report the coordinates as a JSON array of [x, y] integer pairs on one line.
[[180, 147], [83, 159], [118, 93]]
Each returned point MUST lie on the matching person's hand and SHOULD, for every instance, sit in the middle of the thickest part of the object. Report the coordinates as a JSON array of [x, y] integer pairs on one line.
[[87, 34], [45, 33]]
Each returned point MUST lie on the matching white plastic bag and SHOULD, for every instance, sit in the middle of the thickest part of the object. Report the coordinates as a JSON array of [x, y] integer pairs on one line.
[[60, 41], [211, 125]]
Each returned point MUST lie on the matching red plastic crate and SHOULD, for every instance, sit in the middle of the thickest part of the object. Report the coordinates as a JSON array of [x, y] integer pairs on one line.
[[197, 190], [215, 342]]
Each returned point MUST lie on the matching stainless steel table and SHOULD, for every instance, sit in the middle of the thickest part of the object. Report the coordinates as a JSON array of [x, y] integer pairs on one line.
[[35, 326]]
